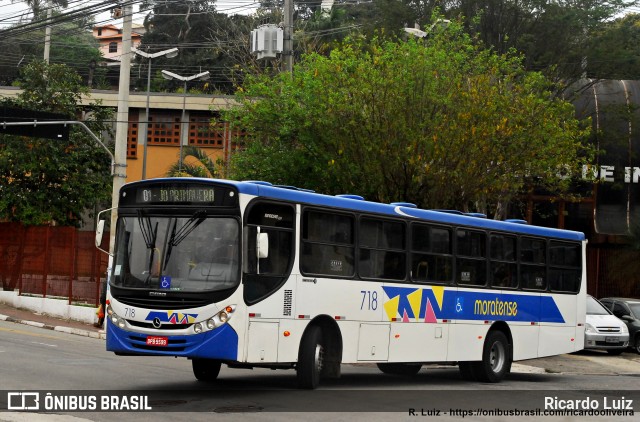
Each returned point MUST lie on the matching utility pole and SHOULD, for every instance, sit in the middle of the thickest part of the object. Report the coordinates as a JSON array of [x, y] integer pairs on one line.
[[122, 124], [287, 46], [47, 32]]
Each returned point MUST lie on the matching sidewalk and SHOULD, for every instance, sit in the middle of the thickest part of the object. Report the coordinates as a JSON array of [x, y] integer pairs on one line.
[[22, 316]]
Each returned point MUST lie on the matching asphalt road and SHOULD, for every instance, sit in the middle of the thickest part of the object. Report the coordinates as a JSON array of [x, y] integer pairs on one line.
[[36, 360]]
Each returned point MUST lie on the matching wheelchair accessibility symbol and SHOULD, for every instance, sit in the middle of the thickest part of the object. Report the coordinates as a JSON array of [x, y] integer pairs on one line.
[[165, 282], [459, 303]]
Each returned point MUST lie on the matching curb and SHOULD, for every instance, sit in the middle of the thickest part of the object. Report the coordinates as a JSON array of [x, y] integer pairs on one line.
[[76, 331]]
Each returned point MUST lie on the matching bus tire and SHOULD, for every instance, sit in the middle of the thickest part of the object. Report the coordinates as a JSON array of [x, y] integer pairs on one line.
[[206, 370], [467, 371], [406, 369], [310, 359], [496, 358]]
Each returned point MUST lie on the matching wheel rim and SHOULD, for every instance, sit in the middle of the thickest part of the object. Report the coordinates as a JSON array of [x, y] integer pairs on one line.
[[319, 358], [497, 356]]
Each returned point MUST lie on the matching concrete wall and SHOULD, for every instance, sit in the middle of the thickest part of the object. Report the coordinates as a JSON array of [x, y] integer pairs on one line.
[[52, 307]]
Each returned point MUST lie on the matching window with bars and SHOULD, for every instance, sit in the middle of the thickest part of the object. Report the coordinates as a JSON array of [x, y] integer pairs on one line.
[[164, 129], [204, 134], [132, 136]]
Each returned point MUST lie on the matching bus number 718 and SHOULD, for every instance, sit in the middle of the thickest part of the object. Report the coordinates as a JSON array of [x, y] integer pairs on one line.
[[370, 299]]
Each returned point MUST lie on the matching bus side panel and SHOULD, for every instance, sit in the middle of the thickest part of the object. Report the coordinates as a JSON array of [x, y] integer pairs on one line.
[[558, 337], [466, 339], [418, 342], [525, 340]]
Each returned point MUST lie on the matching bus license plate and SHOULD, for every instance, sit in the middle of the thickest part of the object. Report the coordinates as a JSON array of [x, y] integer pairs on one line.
[[157, 341], [611, 339]]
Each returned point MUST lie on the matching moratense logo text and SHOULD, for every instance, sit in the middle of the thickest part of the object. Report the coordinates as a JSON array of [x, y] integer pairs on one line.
[[495, 307]]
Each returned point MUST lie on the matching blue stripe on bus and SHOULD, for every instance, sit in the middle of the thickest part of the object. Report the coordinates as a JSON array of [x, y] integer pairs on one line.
[[221, 343], [310, 198], [411, 304]]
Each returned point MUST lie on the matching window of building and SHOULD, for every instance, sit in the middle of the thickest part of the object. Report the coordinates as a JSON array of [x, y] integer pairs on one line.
[[113, 47], [164, 129], [204, 134]]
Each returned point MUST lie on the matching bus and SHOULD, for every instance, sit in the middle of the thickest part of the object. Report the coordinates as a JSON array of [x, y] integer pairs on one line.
[[250, 274]]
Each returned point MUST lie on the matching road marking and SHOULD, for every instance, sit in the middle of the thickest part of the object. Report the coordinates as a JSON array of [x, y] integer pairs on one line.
[[44, 344], [28, 333]]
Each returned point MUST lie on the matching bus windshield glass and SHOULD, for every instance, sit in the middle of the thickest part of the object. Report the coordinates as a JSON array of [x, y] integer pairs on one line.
[[180, 254]]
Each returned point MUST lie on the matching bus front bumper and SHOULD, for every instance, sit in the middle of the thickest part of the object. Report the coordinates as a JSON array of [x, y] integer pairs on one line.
[[221, 343]]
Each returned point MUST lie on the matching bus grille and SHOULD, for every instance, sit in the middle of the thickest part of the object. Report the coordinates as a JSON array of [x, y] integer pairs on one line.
[[163, 303], [162, 327]]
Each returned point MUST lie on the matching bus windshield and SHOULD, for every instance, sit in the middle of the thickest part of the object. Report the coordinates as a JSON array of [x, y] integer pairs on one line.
[[180, 254]]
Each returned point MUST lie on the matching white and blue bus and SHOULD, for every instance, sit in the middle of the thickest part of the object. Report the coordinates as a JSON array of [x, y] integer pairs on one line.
[[249, 274]]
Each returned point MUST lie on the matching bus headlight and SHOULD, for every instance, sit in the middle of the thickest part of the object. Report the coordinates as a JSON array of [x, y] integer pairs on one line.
[[115, 319], [197, 328], [221, 317]]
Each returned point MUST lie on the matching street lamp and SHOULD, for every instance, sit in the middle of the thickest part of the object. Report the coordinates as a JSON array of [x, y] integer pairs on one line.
[[170, 53], [442, 23], [170, 75]]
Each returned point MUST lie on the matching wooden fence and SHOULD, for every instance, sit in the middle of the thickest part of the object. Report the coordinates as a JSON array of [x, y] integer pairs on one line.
[[47, 261]]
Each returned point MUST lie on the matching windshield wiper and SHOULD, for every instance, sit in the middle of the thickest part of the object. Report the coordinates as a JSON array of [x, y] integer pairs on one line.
[[149, 235], [178, 236]]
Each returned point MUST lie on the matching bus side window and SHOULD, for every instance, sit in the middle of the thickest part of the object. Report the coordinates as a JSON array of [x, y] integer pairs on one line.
[[532, 263], [471, 262], [327, 244]]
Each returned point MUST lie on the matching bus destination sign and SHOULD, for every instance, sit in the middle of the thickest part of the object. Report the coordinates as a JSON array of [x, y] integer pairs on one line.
[[175, 194]]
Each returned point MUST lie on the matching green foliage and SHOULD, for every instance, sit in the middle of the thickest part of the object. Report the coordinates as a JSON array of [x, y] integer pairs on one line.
[[71, 45], [195, 163], [615, 50], [441, 123], [44, 181]]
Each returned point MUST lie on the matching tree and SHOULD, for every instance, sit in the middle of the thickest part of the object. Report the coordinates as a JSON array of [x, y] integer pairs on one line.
[[443, 124], [44, 181], [39, 7], [71, 45], [195, 163], [614, 51]]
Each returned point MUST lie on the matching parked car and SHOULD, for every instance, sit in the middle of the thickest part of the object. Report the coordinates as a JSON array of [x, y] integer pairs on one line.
[[628, 310], [603, 330]]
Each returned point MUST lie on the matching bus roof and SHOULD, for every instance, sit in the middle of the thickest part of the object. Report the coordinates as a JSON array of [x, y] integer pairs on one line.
[[356, 203]]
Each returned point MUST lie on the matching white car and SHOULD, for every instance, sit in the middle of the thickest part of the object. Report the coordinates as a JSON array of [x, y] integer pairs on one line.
[[603, 330]]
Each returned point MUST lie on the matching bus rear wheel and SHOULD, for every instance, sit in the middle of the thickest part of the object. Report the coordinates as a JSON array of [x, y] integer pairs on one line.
[[496, 358], [310, 359], [406, 369], [206, 370]]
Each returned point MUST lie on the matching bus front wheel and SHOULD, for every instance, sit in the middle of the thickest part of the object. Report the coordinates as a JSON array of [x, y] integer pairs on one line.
[[496, 358], [206, 370], [310, 359]]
